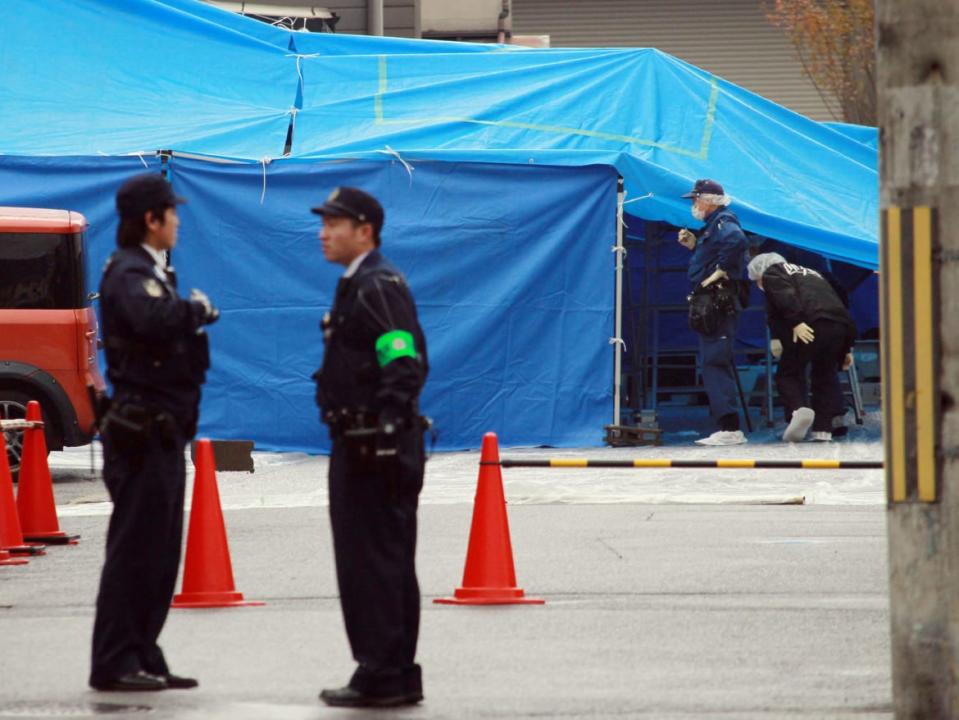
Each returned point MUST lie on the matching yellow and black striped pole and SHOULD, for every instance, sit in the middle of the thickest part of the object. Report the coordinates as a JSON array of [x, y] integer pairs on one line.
[[910, 363], [726, 463]]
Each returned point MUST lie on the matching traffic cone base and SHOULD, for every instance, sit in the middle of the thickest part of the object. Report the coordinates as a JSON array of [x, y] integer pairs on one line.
[[8, 559], [35, 504], [489, 577], [53, 538], [489, 596], [31, 549], [208, 571], [213, 600], [11, 538]]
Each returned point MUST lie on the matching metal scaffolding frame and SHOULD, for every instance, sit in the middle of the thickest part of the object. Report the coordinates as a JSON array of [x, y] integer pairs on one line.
[[642, 375]]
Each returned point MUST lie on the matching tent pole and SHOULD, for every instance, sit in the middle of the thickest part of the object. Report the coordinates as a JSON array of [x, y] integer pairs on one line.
[[618, 322]]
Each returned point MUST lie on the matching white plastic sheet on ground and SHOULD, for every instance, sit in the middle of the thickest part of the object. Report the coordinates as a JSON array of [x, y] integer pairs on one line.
[[299, 480]]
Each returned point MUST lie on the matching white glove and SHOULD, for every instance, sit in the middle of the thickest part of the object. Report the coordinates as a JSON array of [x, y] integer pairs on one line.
[[210, 313], [687, 239], [776, 348], [804, 333]]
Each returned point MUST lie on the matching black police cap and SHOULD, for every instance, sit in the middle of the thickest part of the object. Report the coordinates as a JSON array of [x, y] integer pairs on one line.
[[353, 203], [145, 192], [705, 187]]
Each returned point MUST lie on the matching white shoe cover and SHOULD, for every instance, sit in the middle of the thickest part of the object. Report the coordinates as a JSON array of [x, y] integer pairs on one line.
[[799, 425], [724, 437]]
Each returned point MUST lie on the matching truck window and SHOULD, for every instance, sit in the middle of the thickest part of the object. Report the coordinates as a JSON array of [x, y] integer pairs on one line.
[[42, 271]]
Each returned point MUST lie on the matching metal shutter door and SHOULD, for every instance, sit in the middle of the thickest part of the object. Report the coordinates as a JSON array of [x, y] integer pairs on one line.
[[731, 39]]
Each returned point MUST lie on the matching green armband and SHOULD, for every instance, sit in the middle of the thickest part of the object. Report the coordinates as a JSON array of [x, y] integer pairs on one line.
[[394, 344]]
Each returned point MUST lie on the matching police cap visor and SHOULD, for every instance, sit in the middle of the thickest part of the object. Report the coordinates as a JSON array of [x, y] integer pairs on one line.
[[336, 209], [704, 187], [352, 203]]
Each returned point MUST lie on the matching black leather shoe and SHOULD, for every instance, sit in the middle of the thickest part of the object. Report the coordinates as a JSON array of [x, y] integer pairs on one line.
[[131, 682], [175, 682], [348, 697]]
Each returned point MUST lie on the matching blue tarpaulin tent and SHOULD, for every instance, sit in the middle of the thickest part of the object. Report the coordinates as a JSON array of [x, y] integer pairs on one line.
[[497, 167]]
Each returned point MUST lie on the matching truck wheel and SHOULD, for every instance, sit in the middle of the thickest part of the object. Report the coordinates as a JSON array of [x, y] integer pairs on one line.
[[13, 406]]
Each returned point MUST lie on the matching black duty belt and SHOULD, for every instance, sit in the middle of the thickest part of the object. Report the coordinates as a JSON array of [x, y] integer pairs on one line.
[[344, 419], [355, 422], [115, 342]]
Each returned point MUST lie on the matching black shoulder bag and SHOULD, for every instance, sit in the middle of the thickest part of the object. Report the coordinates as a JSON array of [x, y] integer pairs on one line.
[[710, 305]]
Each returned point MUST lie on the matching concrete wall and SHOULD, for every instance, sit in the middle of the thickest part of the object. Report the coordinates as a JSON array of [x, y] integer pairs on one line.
[[399, 16], [459, 16]]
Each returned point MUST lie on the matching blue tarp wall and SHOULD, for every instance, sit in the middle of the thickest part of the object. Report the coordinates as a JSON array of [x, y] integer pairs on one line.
[[517, 317], [87, 77], [495, 166]]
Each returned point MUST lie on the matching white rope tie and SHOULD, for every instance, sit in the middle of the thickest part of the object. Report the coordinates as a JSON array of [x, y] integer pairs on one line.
[[622, 220], [264, 161], [138, 154], [299, 67], [409, 168], [644, 197], [618, 341]]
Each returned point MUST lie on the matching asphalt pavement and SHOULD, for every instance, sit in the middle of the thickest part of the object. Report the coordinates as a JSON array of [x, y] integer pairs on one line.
[[674, 611]]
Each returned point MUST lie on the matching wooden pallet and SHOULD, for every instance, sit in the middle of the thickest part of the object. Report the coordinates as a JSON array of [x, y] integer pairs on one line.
[[632, 435]]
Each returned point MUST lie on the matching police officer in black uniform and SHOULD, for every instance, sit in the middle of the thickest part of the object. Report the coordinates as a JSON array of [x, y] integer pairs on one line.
[[374, 367], [157, 357]]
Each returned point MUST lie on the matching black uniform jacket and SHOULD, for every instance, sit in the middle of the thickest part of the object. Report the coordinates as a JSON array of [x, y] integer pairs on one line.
[[720, 244], [154, 345], [796, 294], [375, 352]]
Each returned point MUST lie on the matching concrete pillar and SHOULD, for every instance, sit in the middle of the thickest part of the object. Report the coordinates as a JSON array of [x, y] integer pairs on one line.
[[918, 71], [374, 17]]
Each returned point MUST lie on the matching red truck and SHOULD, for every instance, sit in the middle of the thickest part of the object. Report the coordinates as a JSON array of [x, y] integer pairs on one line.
[[48, 331]]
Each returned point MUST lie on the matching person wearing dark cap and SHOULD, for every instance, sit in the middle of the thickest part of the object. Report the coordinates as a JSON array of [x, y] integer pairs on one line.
[[716, 268], [157, 357], [374, 366]]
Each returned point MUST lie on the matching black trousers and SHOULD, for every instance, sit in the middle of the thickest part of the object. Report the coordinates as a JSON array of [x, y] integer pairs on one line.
[[142, 555], [823, 357], [373, 506]]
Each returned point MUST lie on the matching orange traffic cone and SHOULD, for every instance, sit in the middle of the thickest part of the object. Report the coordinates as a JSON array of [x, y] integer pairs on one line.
[[11, 537], [38, 512], [8, 559], [489, 577], [208, 572]]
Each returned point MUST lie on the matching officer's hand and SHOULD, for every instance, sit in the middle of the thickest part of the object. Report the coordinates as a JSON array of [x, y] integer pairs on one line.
[[804, 333], [209, 314], [847, 361], [776, 347], [687, 239], [387, 432]]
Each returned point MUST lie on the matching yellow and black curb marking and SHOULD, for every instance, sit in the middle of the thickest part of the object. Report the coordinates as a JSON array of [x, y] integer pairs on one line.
[[911, 361], [660, 463]]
